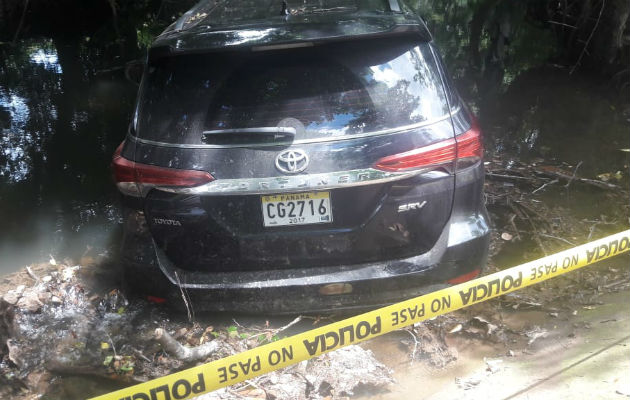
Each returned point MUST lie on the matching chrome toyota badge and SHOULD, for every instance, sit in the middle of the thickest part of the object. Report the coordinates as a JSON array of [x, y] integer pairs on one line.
[[292, 161]]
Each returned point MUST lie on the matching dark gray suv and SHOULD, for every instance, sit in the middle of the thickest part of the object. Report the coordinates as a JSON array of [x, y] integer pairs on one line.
[[302, 155]]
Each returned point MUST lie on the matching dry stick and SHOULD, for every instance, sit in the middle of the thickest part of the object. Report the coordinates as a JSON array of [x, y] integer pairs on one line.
[[141, 355], [32, 274], [557, 238], [181, 352], [573, 177], [545, 185], [588, 41], [562, 24], [112, 343], [616, 283], [518, 235], [276, 331], [591, 230]]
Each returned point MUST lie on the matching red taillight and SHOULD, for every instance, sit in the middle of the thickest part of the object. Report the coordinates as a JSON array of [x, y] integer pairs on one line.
[[438, 153], [469, 143], [464, 148], [134, 178]]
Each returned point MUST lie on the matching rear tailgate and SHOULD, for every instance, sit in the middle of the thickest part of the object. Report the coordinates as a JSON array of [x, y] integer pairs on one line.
[[350, 109]]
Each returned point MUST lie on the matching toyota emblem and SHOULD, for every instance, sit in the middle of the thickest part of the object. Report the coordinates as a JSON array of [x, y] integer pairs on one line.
[[292, 161]]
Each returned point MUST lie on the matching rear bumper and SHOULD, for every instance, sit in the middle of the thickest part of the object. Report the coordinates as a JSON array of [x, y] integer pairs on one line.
[[461, 249]]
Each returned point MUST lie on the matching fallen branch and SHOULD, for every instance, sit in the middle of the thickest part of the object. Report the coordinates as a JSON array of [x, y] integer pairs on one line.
[[593, 182], [517, 177], [181, 352]]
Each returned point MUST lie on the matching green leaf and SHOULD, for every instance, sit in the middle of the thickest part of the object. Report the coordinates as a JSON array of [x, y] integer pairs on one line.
[[108, 360], [231, 328]]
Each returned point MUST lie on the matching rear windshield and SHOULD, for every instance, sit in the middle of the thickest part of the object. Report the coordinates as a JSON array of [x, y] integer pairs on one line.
[[323, 91]]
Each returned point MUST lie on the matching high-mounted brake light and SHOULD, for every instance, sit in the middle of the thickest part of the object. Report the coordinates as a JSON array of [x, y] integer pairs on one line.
[[135, 179], [465, 148]]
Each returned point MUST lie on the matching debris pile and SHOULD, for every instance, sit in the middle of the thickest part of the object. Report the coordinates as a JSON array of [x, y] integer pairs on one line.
[[72, 321]]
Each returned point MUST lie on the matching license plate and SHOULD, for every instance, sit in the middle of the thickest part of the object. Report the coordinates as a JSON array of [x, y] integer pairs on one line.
[[296, 209]]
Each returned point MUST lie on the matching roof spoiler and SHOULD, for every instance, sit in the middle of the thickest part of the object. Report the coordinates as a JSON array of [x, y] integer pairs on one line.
[[165, 50]]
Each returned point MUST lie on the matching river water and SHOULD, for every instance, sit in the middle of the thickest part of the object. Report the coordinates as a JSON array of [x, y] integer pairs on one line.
[[60, 122]]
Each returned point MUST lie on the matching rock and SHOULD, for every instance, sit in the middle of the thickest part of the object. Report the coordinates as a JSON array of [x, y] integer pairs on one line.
[[506, 236], [15, 353], [30, 301], [38, 381], [11, 297], [44, 297], [68, 273]]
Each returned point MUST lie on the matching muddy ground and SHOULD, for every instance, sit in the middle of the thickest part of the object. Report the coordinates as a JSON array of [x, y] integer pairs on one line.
[[67, 331]]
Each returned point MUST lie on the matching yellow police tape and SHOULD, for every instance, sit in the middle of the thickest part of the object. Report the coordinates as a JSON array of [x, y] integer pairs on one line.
[[237, 368]]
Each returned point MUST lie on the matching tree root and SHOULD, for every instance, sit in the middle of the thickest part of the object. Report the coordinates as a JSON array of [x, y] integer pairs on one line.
[[181, 352]]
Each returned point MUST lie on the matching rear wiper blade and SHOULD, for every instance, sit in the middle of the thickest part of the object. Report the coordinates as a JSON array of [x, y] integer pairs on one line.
[[285, 132]]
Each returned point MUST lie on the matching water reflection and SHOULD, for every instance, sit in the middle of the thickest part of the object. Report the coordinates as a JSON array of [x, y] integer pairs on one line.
[[48, 58], [14, 161], [58, 129]]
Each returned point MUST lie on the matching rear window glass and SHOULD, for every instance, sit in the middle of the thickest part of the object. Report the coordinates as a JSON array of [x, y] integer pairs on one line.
[[322, 91]]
